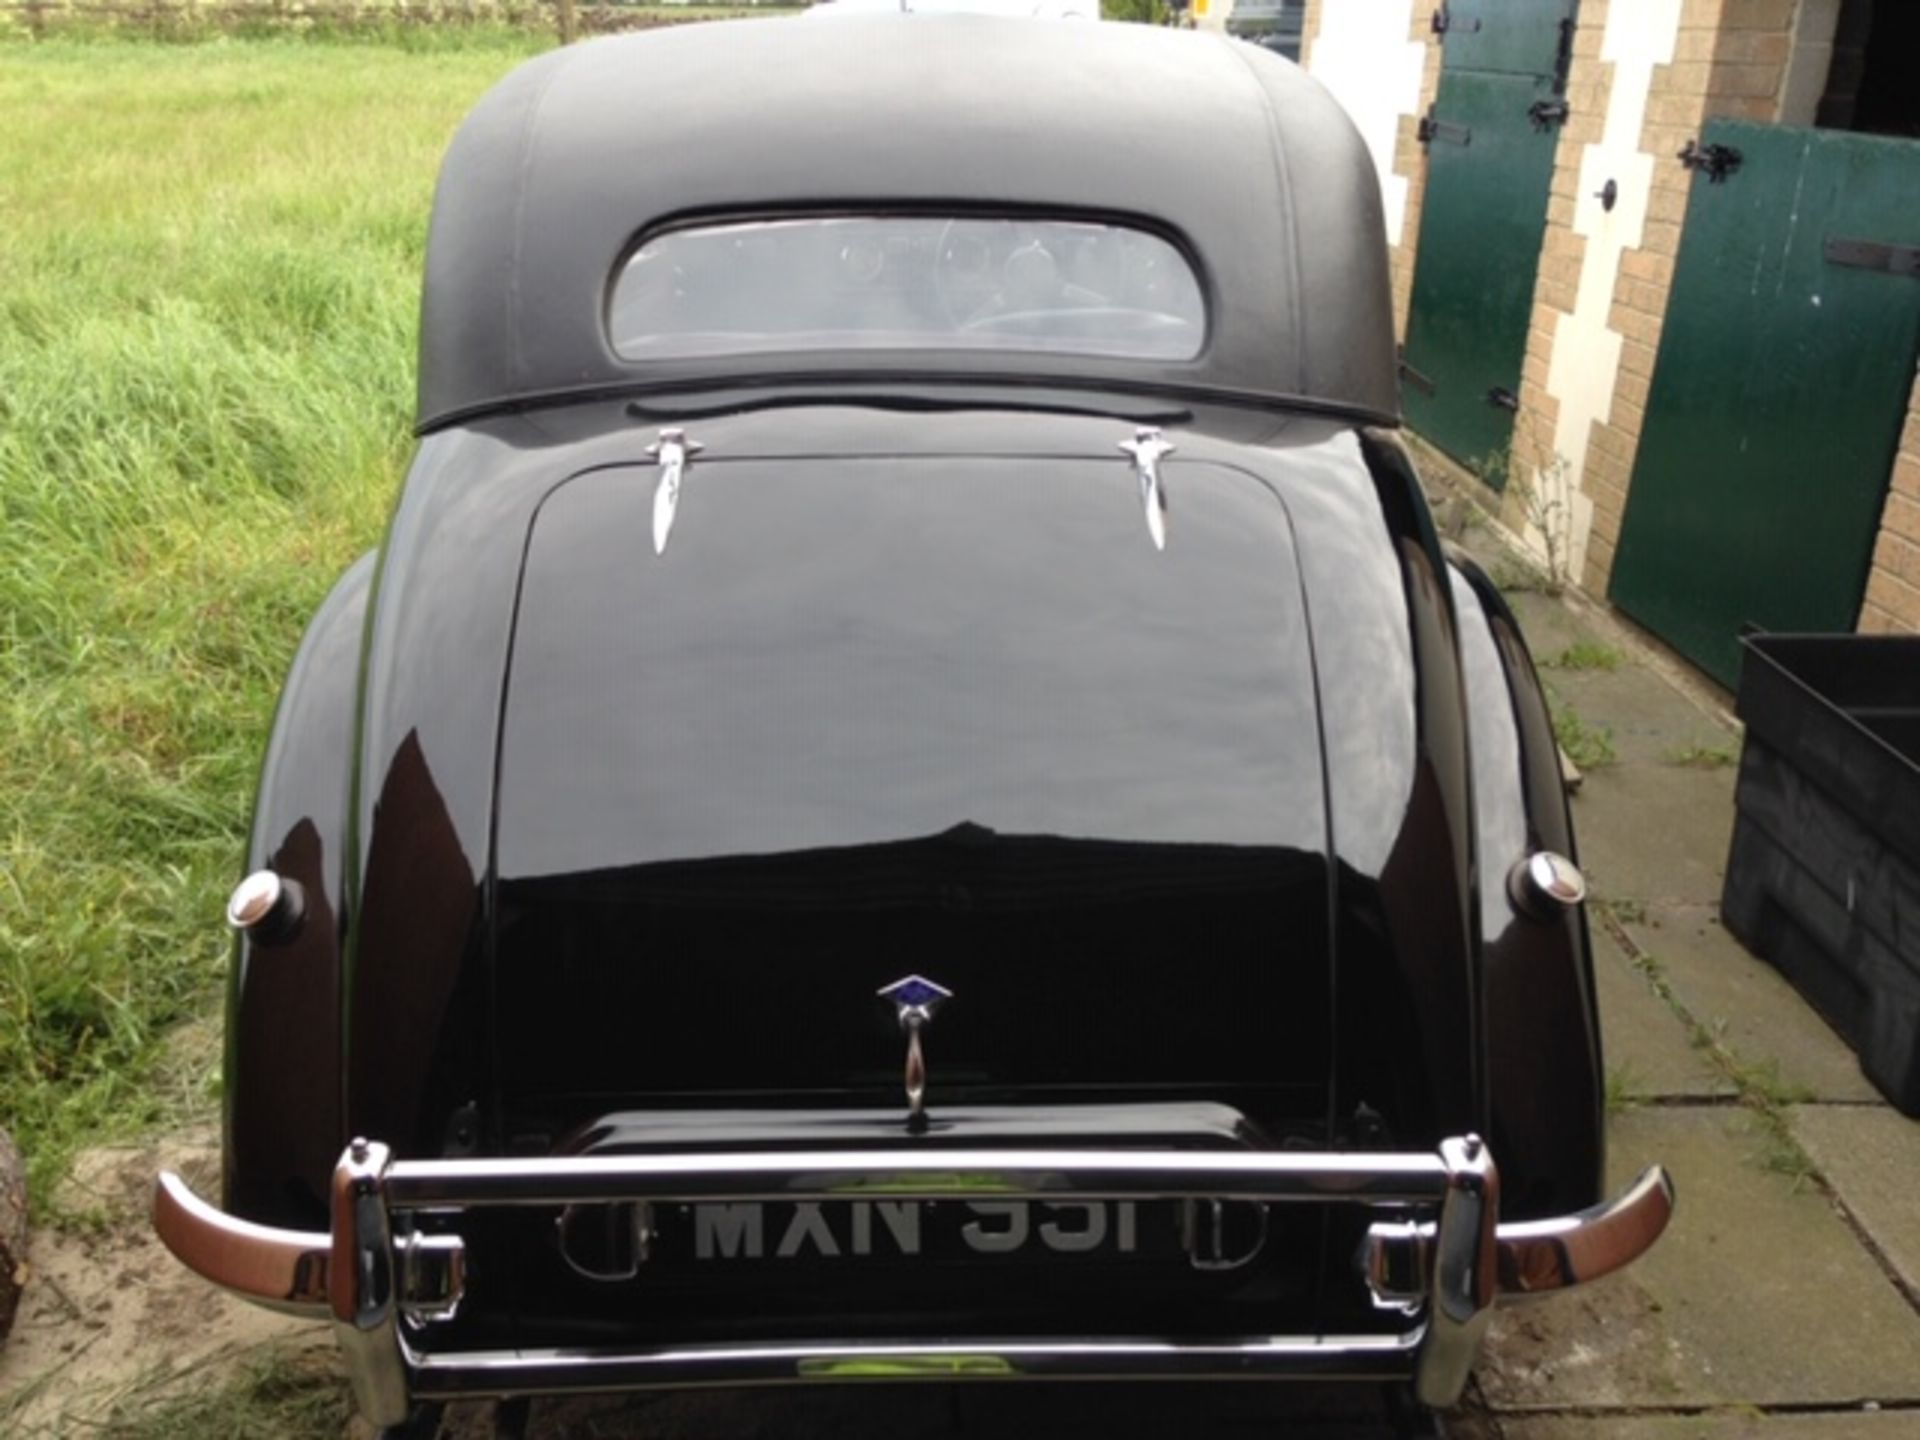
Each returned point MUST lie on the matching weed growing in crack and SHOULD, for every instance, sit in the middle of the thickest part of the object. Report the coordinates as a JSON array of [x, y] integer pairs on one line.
[[1624, 1090], [1759, 1086], [1584, 655], [1626, 910], [1703, 757], [1589, 746], [1513, 577]]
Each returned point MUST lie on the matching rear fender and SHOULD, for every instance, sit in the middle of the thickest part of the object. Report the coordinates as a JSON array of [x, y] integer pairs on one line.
[[283, 1091], [1544, 1074]]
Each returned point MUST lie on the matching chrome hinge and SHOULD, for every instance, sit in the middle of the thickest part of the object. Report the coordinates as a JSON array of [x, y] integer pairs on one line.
[[1147, 447], [673, 450]]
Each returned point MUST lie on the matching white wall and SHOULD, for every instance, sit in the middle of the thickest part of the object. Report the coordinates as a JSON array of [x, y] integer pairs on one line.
[[1364, 55]]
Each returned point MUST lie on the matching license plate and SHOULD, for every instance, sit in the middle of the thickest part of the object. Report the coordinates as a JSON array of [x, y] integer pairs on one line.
[[718, 1233]]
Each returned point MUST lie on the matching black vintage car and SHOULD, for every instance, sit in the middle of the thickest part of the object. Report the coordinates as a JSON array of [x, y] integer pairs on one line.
[[911, 792]]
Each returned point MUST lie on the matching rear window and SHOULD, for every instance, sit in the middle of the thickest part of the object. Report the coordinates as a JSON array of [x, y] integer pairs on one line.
[[908, 283]]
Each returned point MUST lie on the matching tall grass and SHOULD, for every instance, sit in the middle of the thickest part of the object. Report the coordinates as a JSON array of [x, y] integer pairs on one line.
[[209, 270]]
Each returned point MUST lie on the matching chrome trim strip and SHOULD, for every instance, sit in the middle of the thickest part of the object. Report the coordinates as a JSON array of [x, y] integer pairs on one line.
[[1275, 1176], [284, 1270], [549, 1372]]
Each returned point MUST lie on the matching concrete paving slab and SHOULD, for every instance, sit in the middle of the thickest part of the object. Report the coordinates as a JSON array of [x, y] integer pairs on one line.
[[1799, 1425], [1746, 1003], [1653, 832], [1757, 1295], [1647, 720], [1648, 1054], [1870, 1155]]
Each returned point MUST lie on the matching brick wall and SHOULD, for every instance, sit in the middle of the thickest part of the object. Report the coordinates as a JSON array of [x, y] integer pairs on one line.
[[1676, 106], [1410, 160], [1893, 585], [1556, 288], [1310, 27]]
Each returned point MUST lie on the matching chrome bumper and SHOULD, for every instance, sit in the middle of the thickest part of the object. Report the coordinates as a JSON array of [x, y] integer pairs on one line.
[[1438, 1256]]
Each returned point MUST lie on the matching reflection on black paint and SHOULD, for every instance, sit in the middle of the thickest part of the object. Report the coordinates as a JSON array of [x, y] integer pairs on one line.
[[1075, 964], [416, 926]]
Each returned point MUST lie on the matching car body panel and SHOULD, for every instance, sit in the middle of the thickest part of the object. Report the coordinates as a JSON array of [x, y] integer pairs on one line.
[[433, 691]]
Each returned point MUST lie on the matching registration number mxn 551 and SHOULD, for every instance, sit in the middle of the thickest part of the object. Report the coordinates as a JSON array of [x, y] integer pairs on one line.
[[831, 1230]]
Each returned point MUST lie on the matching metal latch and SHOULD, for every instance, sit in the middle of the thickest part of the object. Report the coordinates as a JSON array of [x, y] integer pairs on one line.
[[1872, 255], [673, 450], [1443, 21], [1547, 113], [1719, 161], [1504, 398], [1431, 129]]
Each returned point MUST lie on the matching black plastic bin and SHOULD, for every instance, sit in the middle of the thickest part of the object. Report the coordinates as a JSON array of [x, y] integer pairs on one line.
[[1824, 877]]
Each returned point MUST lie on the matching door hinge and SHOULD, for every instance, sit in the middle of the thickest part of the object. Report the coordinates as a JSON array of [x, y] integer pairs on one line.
[[1443, 22], [1504, 398], [1719, 161], [1431, 130], [1547, 113], [1872, 255]]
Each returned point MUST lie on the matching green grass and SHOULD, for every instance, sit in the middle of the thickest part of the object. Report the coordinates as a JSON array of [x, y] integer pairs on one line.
[[297, 1396], [1584, 655], [1517, 577], [1703, 757], [208, 290], [1624, 1090], [1590, 747]]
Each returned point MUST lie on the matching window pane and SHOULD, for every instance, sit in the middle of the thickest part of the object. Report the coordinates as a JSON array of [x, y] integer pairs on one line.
[[888, 283]]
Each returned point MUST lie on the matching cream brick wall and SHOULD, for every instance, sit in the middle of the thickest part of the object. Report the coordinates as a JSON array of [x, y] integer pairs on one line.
[[1893, 585]]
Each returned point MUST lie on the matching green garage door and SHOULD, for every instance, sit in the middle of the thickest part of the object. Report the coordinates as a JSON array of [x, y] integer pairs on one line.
[[1490, 142], [1779, 392]]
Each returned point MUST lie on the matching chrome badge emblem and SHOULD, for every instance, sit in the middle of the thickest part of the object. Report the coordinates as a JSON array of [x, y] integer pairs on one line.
[[914, 1000]]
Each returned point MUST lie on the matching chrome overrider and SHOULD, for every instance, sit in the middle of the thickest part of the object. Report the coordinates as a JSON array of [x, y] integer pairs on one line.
[[1439, 1255]]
